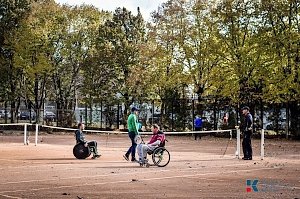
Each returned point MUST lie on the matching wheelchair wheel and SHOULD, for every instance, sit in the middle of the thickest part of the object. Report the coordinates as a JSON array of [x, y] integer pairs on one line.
[[80, 151], [161, 157], [138, 139]]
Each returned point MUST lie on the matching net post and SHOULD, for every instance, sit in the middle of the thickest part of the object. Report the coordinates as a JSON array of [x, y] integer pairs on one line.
[[25, 134], [238, 142], [231, 134], [36, 133], [262, 144]]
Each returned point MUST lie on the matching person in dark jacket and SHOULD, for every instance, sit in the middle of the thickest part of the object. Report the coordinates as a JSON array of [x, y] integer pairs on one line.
[[247, 129], [81, 139]]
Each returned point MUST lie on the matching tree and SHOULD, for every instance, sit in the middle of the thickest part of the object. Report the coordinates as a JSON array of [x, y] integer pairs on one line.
[[236, 24], [12, 14], [186, 34], [280, 40], [33, 54], [118, 42], [73, 40]]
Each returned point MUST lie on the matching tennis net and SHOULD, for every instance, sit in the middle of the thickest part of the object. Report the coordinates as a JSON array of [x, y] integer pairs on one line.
[[225, 142]]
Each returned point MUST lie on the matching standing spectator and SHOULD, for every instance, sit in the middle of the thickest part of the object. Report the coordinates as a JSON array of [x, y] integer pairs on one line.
[[132, 124], [247, 128], [225, 119], [198, 126]]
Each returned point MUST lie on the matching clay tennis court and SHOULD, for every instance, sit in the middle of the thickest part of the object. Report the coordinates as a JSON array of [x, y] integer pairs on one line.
[[198, 169]]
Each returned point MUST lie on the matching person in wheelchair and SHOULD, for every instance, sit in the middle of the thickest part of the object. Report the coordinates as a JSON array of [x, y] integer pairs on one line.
[[157, 140], [81, 139]]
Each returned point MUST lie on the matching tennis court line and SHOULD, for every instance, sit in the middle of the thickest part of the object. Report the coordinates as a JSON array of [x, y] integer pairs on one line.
[[117, 161], [42, 163], [115, 174], [140, 180], [7, 196]]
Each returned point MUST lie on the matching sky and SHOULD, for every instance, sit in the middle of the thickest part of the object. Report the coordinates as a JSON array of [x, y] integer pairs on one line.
[[146, 6]]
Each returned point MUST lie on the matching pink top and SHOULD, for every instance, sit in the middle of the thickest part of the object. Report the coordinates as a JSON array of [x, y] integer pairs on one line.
[[159, 136]]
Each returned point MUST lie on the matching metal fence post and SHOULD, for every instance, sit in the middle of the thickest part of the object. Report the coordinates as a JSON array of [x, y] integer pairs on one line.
[[238, 143], [36, 133], [25, 134], [262, 144]]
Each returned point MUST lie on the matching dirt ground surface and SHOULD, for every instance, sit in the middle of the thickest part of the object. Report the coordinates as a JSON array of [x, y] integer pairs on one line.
[[206, 168]]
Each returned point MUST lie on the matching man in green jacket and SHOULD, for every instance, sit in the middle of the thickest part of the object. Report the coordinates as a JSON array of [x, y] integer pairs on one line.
[[132, 125]]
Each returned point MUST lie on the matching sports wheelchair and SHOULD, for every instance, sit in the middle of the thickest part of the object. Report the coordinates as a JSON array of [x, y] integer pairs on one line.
[[160, 156], [82, 152]]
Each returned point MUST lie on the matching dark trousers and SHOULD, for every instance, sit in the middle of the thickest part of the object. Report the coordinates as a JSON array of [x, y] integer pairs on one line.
[[93, 146], [247, 148], [132, 148], [198, 134]]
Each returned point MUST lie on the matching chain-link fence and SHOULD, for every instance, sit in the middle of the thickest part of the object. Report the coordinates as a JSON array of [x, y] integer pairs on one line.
[[171, 115]]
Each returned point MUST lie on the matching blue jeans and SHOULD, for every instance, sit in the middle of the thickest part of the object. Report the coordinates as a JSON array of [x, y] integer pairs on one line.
[[132, 148]]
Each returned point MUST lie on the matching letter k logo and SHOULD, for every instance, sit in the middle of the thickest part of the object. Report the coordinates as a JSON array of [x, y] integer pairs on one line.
[[252, 185]]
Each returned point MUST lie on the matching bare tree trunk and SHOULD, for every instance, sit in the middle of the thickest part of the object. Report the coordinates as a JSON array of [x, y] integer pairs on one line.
[[287, 120], [295, 118]]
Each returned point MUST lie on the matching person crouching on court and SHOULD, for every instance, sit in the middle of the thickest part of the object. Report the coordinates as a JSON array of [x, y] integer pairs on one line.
[[156, 140], [80, 139]]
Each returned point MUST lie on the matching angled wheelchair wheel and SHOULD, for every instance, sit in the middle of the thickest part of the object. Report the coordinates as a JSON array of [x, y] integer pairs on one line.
[[161, 157], [80, 151]]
